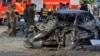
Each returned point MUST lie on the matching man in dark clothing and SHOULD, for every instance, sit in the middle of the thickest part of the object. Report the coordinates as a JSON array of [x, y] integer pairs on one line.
[[62, 6], [26, 15], [31, 14], [84, 7], [31, 17]]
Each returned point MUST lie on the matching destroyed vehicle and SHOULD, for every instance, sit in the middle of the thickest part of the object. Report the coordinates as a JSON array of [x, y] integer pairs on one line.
[[65, 28]]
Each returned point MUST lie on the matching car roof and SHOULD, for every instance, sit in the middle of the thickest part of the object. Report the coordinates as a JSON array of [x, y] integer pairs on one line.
[[67, 11]]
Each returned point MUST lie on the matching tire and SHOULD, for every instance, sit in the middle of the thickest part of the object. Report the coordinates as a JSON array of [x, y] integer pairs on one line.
[[69, 41], [96, 33]]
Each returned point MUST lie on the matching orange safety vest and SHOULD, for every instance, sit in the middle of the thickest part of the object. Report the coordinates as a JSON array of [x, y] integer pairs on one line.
[[44, 12]]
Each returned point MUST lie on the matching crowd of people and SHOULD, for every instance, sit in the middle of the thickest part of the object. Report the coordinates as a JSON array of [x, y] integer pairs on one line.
[[29, 15]]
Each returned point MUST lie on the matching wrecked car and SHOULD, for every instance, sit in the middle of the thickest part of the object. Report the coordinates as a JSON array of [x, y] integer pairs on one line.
[[65, 28]]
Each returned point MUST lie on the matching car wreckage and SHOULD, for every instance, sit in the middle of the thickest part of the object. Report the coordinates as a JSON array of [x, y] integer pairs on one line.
[[65, 28]]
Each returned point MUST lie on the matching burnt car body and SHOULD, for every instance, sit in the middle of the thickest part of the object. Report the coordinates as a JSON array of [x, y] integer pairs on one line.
[[65, 28]]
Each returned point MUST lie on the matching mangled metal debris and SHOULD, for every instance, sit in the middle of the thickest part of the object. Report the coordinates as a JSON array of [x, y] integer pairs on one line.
[[66, 28]]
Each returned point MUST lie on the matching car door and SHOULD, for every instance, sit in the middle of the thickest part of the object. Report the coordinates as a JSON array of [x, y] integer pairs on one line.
[[81, 26], [80, 20], [89, 22]]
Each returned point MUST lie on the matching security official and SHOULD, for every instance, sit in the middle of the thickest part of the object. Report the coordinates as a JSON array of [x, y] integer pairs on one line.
[[44, 13], [11, 20]]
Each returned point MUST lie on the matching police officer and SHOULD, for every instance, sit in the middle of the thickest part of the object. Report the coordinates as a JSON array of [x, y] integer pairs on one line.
[[43, 13], [11, 20], [31, 17]]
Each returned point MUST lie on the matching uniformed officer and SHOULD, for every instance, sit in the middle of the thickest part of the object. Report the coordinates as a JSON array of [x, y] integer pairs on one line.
[[84, 7], [31, 17], [11, 20], [44, 13]]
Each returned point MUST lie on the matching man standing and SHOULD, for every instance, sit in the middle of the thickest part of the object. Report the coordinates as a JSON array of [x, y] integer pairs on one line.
[[54, 9], [31, 17], [11, 20], [62, 6], [84, 7], [67, 6], [43, 13], [26, 15]]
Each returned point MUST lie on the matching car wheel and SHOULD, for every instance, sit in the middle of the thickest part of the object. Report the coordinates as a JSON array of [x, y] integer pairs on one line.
[[96, 33], [69, 41]]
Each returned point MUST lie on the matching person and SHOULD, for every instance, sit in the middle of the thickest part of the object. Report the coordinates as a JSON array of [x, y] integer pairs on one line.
[[54, 7], [31, 17], [26, 15], [43, 13], [84, 7], [62, 6], [67, 6], [11, 20]]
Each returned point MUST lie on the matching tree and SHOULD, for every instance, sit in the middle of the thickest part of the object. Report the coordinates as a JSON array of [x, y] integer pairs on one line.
[[89, 1]]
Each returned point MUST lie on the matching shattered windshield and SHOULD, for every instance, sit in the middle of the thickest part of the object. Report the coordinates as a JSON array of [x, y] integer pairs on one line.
[[66, 17]]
